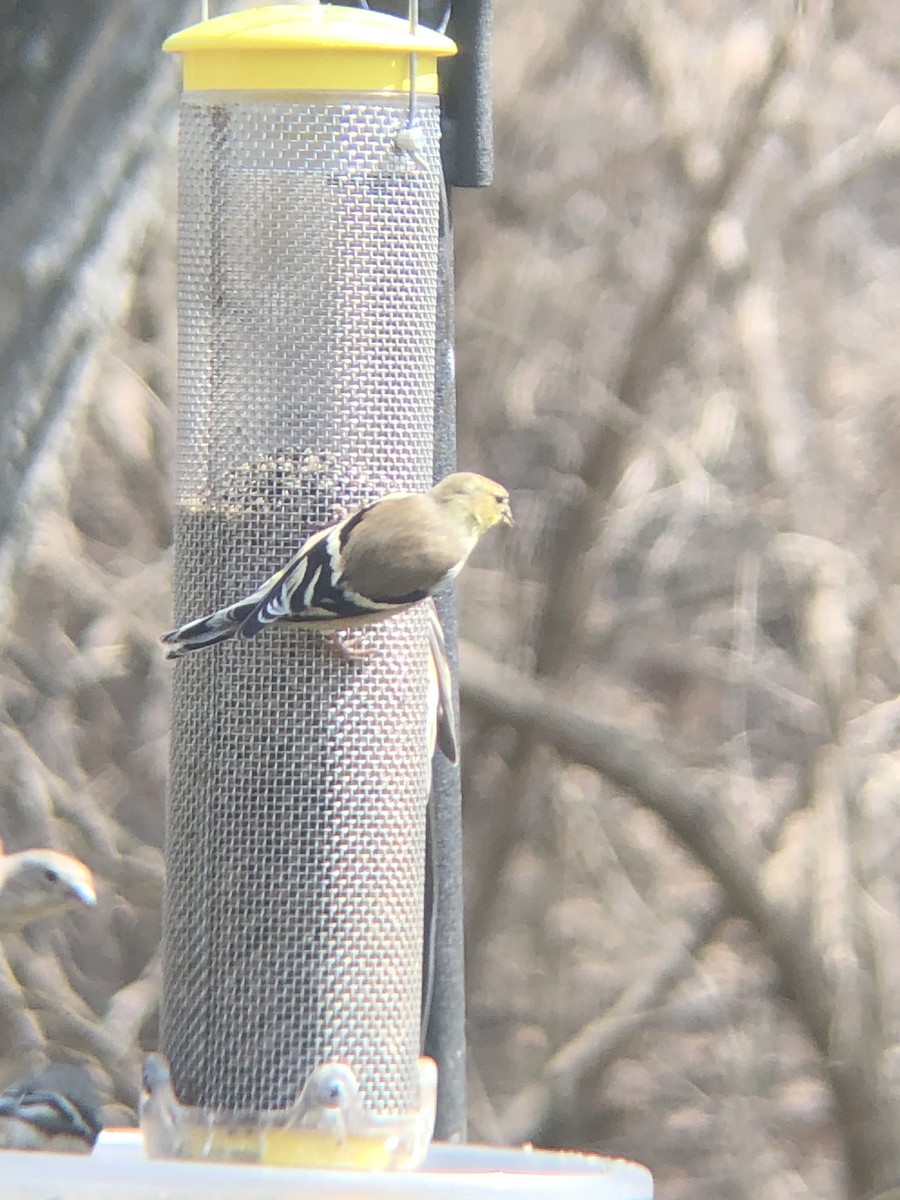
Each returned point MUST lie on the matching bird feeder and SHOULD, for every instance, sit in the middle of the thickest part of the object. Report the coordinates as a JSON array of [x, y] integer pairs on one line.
[[311, 221], [309, 205]]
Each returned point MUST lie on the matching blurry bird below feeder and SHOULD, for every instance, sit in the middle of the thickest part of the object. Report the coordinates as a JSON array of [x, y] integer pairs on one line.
[[41, 883], [55, 1111]]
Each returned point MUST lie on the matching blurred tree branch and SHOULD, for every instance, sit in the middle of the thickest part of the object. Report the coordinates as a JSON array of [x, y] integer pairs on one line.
[[693, 812], [833, 598], [599, 1043], [560, 632], [89, 102]]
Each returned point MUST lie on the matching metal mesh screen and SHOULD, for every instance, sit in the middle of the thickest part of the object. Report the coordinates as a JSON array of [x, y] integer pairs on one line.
[[307, 285]]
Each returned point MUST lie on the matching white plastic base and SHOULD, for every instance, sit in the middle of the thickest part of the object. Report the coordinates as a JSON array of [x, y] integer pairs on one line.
[[118, 1170]]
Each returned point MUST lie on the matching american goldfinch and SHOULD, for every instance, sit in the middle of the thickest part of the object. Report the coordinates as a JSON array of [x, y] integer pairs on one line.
[[56, 1110], [383, 558], [326, 1126], [39, 883]]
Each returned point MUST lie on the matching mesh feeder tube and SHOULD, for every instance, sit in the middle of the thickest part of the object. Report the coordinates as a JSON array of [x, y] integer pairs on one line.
[[308, 251]]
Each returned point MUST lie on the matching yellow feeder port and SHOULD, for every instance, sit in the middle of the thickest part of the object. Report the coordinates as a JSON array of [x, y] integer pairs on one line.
[[308, 48]]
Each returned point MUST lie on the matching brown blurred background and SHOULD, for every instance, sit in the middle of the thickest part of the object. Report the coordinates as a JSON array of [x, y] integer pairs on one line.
[[677, 344]]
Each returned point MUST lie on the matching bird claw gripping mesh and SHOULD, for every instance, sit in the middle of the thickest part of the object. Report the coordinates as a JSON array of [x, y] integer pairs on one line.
[[326, 1126]]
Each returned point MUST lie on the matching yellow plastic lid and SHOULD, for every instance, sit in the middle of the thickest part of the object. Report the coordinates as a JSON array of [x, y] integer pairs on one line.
[[308, 47]]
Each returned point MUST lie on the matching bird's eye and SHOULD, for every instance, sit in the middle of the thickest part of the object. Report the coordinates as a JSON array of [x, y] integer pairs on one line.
[[50, 875]]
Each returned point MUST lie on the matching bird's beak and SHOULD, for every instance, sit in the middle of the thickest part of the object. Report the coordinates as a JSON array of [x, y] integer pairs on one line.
[[85, 893], [506, 514]]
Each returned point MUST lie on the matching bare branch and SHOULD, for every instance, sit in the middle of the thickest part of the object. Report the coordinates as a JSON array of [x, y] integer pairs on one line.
[[599, 1043]]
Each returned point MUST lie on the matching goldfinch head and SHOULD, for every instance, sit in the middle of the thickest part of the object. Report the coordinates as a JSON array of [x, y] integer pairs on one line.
[[477, 502]]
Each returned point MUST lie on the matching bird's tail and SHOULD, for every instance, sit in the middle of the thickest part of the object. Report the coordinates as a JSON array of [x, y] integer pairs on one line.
[[442, 714], [207, 631]]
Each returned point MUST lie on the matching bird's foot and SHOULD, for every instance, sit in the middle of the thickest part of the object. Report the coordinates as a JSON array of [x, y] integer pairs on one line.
[[349, 647]]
